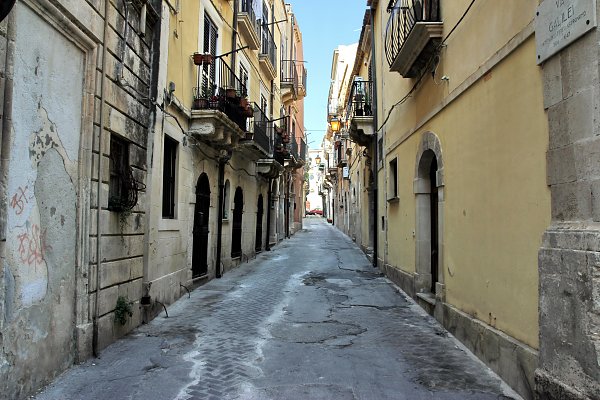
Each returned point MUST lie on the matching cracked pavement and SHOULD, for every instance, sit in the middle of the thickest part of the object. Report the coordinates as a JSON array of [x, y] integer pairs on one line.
[[311, 319]]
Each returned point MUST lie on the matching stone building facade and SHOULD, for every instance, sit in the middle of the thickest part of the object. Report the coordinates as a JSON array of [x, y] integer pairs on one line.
[[112, 166], [484, 154], [569, 285], [76, 76], [484, 166]]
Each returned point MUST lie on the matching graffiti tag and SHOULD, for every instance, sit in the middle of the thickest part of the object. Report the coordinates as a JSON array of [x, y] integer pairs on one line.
[[19, 200], [33, 246]]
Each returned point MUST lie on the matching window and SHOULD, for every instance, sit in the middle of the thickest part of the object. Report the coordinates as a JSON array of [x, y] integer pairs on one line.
[[119, 189], [210, 46], [244, 76], [169, 175], [263, 104], [393, 180]]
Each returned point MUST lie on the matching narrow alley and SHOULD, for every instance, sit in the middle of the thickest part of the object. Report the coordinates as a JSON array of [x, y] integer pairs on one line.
[[311, 319]]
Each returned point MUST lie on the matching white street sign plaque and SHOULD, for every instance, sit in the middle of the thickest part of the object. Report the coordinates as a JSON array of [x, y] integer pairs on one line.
[[559, 23]]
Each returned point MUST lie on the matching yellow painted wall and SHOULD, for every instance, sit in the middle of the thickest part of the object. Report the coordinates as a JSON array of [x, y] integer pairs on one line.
[[183, 42], [186, 37], [494, 139]]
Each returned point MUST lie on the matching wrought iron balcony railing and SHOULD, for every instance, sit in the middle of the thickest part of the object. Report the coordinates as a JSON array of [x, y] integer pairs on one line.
[[295, 147], [360, 103], [262, 130], [218, 88], [405, 15], [289, 76], [249, 22], [302, 75], [252, 8], [302, 152], [281, 151], [268, 46]]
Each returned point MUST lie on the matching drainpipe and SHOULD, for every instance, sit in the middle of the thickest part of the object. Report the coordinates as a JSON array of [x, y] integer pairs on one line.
[[375, 144], [100, 169], [269, 199], [6, 139], [222, 162], [287, 205], [157, 73], [234, 28]]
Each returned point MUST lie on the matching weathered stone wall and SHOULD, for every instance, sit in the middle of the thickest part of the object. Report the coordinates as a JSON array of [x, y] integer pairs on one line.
[[569, 260], [52, 111], [49, 69], [127, 114]]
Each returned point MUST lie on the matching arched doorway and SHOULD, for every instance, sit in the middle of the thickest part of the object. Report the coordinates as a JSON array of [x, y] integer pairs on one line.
[[259, 224], [200, 233], [236, 233], [428, 189]]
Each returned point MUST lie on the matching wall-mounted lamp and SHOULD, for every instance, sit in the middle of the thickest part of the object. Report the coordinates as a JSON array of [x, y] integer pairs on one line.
[[318, 160], [335, 124]]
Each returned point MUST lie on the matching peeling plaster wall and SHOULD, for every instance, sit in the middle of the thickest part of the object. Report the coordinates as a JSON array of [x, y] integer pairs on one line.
[[39, 257], [50, 155]]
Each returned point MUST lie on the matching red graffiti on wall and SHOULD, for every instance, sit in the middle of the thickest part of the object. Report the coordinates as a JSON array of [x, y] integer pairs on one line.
[[18, 200], [33, 246]]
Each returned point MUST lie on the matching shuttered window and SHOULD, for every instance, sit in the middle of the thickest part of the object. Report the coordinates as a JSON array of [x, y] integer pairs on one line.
[[210, 46]]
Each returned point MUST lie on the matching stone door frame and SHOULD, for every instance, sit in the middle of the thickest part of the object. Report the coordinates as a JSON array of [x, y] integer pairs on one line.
[[429, 148]]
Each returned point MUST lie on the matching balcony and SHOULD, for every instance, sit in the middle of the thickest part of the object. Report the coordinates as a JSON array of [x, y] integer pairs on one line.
[[289, 81], [340, 156], [281, 150], [302, 75], [412, 35], [266, 56], [248, 23], [297, 153], [220, 109], [360, 112], [257, 143]]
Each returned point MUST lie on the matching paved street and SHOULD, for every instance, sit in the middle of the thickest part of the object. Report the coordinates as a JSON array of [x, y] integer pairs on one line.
[[309, 320]]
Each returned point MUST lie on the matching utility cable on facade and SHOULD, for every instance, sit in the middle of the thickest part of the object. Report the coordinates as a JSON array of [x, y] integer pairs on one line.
[[424, 72]]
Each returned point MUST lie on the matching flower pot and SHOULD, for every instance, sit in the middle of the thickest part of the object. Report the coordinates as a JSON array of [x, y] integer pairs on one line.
[[200, 59], [247, 111], [200, 104], [230, 93]]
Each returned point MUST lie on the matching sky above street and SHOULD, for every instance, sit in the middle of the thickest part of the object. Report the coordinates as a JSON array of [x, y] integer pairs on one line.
[[325, 24]]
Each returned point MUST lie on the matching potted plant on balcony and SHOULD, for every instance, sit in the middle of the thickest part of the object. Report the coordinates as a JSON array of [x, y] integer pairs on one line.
[[213, 102], [230, 93], [203, 58], [200, 103], [279, 130], [247, 109]]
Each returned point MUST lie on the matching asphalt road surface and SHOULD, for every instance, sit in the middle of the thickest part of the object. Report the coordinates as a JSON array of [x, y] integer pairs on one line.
[[311, 319]]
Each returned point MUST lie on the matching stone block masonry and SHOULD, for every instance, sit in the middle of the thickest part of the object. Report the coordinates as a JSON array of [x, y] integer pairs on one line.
[[569, 292]]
